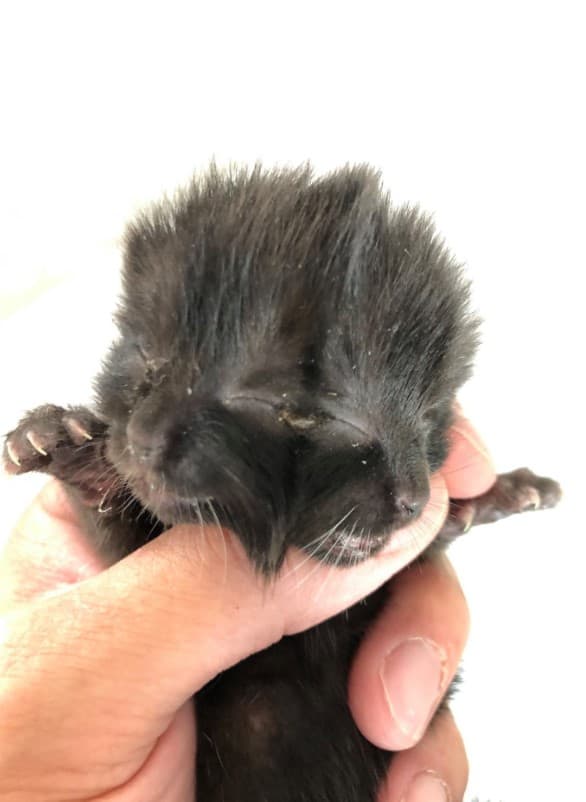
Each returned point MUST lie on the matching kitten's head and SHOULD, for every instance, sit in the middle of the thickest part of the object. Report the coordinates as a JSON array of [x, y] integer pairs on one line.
[[288, 359]]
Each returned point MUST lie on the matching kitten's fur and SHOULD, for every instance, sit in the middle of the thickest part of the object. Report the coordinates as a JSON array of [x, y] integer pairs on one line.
[[289, 353]]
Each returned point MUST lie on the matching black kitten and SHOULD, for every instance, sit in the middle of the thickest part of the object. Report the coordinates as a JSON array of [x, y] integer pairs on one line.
[[289, 353]]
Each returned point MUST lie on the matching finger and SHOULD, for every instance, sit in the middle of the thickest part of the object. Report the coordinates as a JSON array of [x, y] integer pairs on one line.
[[409, 656], [435, 770], [176, 613], [468, 471], [47, 550], [173, 615], [169, 771]]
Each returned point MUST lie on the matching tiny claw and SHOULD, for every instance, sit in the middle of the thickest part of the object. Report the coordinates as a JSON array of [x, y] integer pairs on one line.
[[464, 514], [532, 500], [76, 429], [12, 453], [33, 440]]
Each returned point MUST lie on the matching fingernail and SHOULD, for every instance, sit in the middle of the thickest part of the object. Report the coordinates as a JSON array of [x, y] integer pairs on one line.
[[413, 677], [427, 787]]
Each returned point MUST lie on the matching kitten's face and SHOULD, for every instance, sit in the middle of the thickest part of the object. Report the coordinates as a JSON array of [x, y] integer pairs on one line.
[[288, 357], [273, 464]]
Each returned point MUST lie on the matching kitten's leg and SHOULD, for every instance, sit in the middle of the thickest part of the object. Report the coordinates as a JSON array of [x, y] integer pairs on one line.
[[517, 491], [70, 444]]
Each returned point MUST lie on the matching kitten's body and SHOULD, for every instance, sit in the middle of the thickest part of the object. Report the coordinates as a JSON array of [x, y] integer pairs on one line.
[[290, 350]]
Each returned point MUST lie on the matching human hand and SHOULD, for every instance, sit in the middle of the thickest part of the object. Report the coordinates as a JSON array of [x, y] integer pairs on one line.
[[98, 666], [410, 655]]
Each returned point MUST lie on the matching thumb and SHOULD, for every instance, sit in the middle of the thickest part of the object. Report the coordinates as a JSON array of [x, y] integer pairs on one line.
[[121, 651]]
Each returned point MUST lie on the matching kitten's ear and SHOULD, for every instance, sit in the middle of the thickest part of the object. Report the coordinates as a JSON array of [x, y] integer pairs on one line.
[[343, 191], [144, 240]]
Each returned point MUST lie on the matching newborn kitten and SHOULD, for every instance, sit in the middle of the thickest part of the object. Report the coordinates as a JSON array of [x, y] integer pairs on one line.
[[290, 349]]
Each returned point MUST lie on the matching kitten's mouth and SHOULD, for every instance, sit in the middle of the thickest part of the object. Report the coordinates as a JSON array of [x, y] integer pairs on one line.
[[349, 548], [170, 507]]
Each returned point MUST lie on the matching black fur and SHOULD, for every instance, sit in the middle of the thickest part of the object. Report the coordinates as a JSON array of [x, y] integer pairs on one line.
[[290, 348]]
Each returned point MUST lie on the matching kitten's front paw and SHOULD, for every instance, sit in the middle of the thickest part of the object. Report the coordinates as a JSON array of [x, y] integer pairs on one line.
[[50, 438], [530, 492], [514, 492]]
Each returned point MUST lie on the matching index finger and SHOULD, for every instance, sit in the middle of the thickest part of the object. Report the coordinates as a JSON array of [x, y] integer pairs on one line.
[[46, 550], [468, 471]]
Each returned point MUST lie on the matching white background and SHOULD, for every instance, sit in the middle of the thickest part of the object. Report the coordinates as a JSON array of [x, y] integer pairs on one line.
[[472, 109]]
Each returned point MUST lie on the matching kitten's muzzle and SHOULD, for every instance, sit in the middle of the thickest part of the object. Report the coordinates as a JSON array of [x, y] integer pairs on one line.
[[146, 447], [408, 506]]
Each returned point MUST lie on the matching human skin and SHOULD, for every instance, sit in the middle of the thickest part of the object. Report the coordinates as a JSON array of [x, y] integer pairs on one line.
[[98, 664]]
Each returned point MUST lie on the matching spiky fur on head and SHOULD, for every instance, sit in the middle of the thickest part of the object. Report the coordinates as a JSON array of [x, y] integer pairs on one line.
[[289, 352]]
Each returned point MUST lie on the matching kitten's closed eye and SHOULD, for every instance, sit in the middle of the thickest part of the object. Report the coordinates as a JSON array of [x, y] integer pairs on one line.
[[153, 365]]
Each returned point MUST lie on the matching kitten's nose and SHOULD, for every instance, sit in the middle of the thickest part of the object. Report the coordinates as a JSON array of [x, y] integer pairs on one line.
[[407, 507], [144, 445]]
